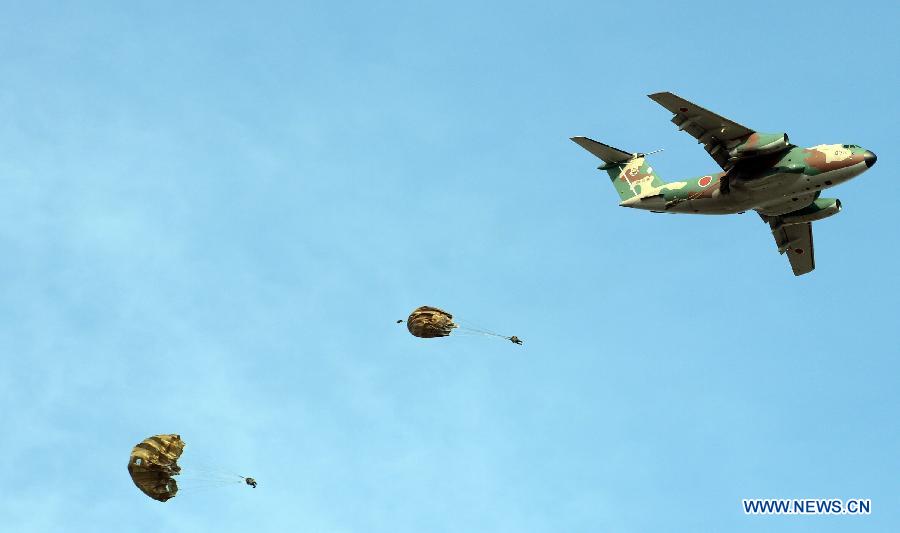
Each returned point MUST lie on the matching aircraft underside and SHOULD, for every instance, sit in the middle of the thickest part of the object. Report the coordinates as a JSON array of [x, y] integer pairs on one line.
[[775, 194]]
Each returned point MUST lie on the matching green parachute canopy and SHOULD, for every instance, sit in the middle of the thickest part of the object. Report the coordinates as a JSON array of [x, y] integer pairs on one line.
[[152, 464], [429, 322]]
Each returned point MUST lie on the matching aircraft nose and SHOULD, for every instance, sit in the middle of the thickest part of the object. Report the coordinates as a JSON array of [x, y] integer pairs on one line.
[[869, 158]]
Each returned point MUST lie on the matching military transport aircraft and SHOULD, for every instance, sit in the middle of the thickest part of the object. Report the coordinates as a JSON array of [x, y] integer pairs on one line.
[[761, 171]]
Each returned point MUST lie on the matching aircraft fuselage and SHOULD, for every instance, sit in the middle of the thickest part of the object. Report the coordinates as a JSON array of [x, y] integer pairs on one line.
[[771, 184]]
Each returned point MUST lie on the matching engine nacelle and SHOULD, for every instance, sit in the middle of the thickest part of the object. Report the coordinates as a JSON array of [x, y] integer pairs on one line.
[[821, 208], [760, 144]]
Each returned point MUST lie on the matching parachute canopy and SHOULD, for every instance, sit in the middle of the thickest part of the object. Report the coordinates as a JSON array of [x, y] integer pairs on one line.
[[152, 464], [429, 322]]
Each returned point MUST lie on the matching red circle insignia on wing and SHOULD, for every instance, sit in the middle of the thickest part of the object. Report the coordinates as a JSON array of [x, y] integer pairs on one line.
[[704, 181]]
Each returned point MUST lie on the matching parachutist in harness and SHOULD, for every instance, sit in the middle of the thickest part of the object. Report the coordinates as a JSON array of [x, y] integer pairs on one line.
[[428, 322], [250, 481]]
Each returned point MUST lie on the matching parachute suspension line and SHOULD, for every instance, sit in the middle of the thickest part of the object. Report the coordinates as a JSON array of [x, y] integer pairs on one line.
[[212, 478], [211, 469], [471, 326], [201, 461], [209, 480], [200, 477], [217, 475], [467, 333], [192, 489], [466, 325], [482, 332]]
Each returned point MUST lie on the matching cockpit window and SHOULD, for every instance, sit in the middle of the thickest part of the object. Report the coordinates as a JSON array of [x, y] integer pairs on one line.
[[850, 146]]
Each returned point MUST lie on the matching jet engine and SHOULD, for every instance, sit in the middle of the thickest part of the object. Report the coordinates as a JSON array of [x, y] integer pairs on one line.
[[760, 144], [821, 208]]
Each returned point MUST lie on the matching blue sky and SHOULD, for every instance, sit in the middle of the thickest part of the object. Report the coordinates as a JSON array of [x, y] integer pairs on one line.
[[211, 216]]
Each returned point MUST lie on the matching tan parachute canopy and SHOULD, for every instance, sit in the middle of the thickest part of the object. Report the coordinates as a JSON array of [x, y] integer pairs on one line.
[[152, 464], [429, 322]]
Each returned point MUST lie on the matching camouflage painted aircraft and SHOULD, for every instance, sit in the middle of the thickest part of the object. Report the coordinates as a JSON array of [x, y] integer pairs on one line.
[[760, 171]]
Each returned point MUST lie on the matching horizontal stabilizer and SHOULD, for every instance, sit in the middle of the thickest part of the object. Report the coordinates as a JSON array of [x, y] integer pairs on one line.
[[605, 152], [630, 174]]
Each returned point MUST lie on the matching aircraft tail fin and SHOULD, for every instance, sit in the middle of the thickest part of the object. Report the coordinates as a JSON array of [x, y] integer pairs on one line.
[[630, 174]]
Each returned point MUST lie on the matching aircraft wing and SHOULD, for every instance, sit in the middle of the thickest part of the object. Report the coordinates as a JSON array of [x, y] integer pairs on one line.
[[710, 129], [796, 241]]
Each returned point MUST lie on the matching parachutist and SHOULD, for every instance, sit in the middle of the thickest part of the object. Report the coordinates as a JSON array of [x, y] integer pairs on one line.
[[400, 321], [428, 322], [250, 481]]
